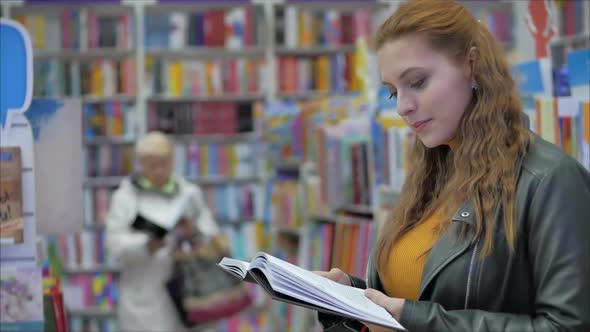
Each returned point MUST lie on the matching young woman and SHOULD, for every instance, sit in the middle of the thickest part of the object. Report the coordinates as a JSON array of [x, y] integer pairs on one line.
[[491, 232], [146, 261]]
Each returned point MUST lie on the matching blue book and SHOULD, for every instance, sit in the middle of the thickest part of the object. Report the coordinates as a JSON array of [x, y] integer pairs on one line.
[[578, 63], [157, 32]]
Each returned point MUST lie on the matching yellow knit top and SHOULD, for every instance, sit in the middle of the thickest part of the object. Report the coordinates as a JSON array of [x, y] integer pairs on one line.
[[407, 259], [408, 256]]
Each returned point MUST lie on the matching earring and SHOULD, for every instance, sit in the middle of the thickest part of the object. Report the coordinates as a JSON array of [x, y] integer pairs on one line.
[[474, 85]]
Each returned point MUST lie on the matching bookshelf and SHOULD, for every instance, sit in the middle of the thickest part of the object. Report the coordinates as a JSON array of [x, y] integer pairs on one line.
[[180, 75], [93, 313]]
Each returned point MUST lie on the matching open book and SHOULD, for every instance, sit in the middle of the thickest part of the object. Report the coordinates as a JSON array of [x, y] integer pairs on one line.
[[158, 220], [289, 283]]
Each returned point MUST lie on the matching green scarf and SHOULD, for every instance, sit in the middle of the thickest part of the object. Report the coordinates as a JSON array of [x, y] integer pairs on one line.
[[168, 189]]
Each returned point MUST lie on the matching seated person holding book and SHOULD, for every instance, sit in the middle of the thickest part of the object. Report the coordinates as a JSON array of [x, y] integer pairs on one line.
[[147, 209], [490, 232]]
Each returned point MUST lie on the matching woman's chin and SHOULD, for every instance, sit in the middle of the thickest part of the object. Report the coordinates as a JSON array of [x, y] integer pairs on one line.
[[431, 142]]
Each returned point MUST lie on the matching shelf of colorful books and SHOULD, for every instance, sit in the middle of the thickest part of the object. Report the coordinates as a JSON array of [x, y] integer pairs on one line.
[[101, 313], [290, 231], [106, 140], [314, 50], [217, 138], [94, 269], [222, 221], [206, 53], [56, 7], [353, 238], [343, 6], [219, 180], [322, 218], [196, 7], [356, 209], [162, 98], [306, 95], [103, 181], [121, 98], [91, 54]]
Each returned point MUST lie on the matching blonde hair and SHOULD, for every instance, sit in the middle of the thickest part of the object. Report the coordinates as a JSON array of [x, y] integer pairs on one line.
[[491, 132], [153, 144]]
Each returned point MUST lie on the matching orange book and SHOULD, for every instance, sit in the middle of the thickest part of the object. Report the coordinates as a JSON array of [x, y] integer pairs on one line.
[[353, 252], [117, 120], [586, 122], [322, 74], [305, 28]]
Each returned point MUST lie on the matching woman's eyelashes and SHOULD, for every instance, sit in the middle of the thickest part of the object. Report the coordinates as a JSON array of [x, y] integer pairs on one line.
[[418, 84]]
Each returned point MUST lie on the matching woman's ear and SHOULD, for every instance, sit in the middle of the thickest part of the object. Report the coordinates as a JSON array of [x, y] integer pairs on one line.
[[469, 62]]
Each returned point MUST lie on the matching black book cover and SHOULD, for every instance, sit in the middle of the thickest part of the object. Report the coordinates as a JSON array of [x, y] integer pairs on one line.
[[144, 225]]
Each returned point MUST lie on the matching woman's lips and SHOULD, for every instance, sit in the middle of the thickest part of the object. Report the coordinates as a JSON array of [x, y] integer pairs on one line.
[[418, 126]]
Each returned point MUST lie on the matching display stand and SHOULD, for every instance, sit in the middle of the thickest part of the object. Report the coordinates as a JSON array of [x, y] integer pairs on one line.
[[21, 290]]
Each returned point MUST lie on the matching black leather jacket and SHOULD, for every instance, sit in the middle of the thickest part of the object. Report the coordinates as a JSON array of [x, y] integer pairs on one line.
[[543, 286]]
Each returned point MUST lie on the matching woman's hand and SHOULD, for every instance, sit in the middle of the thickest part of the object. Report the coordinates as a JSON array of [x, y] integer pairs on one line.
[[337, 275], [393, 305], [154, 245]]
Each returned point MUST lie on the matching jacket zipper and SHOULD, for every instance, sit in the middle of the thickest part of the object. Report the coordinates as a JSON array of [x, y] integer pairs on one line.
[[471, 267]]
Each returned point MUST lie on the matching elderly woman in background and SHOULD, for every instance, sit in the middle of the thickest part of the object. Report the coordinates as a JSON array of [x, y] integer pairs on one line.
[[146, 260]]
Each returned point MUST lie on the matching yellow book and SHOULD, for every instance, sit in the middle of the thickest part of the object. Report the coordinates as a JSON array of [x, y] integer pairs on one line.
[[97, 79], [547, 119], [261, 237], [175, 78], [354, 84], [322, 74], [39, 32], [232, 160]]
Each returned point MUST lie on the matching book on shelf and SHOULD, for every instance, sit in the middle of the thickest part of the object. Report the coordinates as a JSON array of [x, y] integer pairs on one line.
[[233, 28], [289, 283], [201, 118]]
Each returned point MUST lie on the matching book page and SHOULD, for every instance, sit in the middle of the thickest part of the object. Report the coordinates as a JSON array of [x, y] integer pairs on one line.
[[235, 266], [352, 299]]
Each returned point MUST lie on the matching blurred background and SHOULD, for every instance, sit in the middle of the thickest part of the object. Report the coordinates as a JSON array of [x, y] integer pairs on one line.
[[276, 112]]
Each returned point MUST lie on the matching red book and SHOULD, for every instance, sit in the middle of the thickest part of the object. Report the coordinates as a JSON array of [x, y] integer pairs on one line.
[[252, 67], [66, 20], [249, 27], [59, 310], [214, 28], [570, 18]]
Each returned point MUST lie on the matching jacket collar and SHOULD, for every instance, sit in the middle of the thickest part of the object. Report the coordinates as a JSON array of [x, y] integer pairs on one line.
[[466, 213], [448, 247]]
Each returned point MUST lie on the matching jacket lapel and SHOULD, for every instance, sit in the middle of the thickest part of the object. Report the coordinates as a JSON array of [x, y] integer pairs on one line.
[[449, 246]]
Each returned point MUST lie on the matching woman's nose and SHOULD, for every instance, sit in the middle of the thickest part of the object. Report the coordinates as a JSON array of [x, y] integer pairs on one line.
[[405, 106]]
